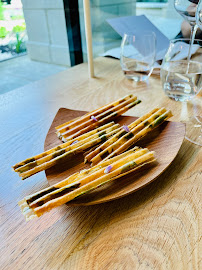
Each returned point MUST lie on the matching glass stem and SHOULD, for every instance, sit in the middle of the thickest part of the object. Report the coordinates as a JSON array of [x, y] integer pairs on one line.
[[192, 37]]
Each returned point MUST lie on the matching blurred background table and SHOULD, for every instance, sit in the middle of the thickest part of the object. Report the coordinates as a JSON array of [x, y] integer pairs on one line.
[[157, 227]]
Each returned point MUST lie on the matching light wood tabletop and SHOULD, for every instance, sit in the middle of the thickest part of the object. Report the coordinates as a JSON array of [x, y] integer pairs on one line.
[[157, 227]]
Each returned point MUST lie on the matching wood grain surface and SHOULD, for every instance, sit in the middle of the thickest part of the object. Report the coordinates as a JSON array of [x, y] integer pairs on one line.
[[168, 136], [157, 227]]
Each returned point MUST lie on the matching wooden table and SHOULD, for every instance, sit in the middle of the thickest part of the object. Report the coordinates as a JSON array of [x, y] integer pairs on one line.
[[157, 227]]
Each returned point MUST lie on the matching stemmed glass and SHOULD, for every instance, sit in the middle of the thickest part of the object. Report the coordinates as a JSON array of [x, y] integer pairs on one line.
[[199, 15], [191, 11], [182, 81], [187, 9]]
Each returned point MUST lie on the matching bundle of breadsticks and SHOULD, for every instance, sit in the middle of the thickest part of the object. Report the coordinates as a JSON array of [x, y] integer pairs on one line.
[[89, 121], [80, 183], [113, 138], [83, 133], [128, 136], [107, 144]]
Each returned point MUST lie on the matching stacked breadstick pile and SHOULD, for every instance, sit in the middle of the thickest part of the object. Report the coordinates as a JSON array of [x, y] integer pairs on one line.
[[109, 155], [80, 183], [82, 133], [124, 139], [54, 156], [89, 121]]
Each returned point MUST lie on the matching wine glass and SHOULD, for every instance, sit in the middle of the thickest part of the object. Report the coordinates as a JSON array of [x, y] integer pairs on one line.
[[182, 81], [199, 15], [187, 9]]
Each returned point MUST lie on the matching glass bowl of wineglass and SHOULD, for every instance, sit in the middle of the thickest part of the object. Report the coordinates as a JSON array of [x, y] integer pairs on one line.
[[188, 9], [199, 15]]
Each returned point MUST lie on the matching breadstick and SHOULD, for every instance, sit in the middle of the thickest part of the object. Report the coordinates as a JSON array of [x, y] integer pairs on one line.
[[64, 127], [98, 118], [79, 175], [113, 129], [142, 133], [57, 159], [104, 120], [63, 145], [117, 136], [107, 151], [46, 203]]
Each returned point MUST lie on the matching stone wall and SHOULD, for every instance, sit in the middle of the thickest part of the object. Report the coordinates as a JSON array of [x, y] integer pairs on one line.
[[46, 29]]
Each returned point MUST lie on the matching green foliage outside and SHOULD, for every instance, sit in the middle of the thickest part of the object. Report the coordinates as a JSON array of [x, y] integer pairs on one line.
[[19, 28], [16, 17], [1, 11], [18, 43], [16, 29], [3, 32]]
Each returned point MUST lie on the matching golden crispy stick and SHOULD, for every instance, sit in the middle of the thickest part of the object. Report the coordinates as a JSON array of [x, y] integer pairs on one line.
[[69, 122], [94, 112], [92, 132], [38, 162], [117, 141], [104, 120], [64, 145], [84, 173], [64, 127], [79, 175], [85, 180], [124, 169], [115, 137], [142, 133], [39, 207], [57, 159], [99, 117]]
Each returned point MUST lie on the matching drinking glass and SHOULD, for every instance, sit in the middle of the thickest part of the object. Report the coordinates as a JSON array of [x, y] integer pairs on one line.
[[187, 9], [199, 15], [138, 55], [182, 81]]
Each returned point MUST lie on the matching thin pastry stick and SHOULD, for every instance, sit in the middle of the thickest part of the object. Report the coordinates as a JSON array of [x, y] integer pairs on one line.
[[113, 129], [110, 117], [71, 153], [85, 180], [93, 184], [63, 145], [114, 174], [75, 122], [79, 175], [99, 117], [117, 136], [71, 121], [142, 133], [119, 141]]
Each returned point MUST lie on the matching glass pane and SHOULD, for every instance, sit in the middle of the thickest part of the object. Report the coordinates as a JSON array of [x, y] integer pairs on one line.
[[160, 12], [104, 37]]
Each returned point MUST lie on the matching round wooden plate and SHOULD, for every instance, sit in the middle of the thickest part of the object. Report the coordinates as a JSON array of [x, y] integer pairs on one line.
[[165, 140]]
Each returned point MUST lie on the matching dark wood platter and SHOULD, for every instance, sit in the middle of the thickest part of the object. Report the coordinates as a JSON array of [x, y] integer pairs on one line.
[[165, 140]]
